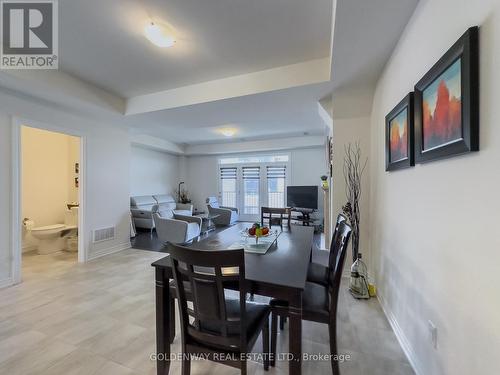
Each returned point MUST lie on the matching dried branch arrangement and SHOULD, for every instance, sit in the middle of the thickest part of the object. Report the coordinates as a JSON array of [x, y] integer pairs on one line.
[[353, 171]]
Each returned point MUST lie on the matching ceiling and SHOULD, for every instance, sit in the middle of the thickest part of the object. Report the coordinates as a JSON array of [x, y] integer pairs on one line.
[[291, 112], [102, 41], [260, 66]]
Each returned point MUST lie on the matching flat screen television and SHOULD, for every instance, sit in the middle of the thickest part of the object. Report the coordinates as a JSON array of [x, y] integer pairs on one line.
[[302, 197]]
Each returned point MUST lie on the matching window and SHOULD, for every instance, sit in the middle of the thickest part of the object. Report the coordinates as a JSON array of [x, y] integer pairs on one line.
[[251, 188], [276, 179], [250, 182], [228, 178], [255, 159]]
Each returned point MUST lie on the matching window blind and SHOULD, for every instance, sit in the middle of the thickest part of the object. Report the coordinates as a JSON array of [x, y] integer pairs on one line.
[[228, 173], [251, 173]]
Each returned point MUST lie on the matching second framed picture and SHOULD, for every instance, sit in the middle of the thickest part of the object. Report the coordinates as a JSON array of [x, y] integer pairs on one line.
[[447, 103], [399, 143]]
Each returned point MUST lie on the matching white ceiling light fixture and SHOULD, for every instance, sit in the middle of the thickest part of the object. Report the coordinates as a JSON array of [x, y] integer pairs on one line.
[[227, 132], [160, 36]]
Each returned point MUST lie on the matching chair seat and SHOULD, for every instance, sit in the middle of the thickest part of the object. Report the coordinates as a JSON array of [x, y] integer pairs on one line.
[[256, 313], [315, 302], [316, 273]]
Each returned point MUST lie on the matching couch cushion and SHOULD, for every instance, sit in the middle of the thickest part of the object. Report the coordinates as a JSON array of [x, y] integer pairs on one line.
[[164, 198], [193, 230], [183, 212], [144, 202], [213, 202]]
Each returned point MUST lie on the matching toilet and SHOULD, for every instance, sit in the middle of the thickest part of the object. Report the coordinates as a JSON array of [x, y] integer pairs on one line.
[[54, 238]]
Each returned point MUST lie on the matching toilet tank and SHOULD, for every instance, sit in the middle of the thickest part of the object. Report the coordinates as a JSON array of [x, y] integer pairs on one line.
[[71, 217]]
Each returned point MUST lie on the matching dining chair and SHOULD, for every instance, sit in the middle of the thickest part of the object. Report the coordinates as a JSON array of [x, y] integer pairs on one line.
[[319, 302], [220, 328], [318, 273], [270, 214]]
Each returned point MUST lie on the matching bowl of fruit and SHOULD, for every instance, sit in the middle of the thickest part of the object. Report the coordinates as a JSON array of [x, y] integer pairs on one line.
[[257, 231]]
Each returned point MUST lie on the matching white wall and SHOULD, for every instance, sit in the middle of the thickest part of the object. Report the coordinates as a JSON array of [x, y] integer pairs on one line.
[[5, 195], [307, 165], [434, 227], [345, 131], [107, 173], [153, 172]]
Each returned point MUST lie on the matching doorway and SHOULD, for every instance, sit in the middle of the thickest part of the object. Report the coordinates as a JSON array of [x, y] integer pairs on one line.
[[48, 165]]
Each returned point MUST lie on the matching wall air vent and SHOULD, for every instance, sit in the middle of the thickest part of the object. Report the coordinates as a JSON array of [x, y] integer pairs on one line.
[[104, 234]]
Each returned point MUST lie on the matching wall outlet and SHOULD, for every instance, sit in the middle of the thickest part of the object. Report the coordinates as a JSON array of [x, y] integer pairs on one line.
[[433, 333]]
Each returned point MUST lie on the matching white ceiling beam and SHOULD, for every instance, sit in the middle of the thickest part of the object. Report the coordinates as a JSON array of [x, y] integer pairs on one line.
[[155, 143], [309, 72], [264, 145], [62, 88]]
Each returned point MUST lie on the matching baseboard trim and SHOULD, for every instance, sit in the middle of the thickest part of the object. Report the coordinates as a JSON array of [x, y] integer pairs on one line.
[[6, 282], [110, 250], [402, 339]]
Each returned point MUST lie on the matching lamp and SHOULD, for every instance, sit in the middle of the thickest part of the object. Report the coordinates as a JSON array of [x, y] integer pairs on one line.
[[179, 191]]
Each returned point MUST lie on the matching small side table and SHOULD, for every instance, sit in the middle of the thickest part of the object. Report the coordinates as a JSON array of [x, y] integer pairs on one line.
[[207, 224]]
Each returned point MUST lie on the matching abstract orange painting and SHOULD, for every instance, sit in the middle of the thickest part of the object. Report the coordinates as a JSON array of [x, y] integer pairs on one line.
[[399, 139], [398, 129], [442, 109]]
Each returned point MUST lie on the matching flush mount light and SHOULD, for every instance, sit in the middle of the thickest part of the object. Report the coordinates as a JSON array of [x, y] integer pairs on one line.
[[228, 132], [159, 35]]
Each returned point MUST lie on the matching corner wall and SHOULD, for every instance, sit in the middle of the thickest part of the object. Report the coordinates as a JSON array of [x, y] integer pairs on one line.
[[153, 172], [436, 252], [107, 174], [345, 131]]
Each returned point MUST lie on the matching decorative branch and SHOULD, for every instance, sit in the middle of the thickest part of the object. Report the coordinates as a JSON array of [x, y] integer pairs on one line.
[[353, 171]]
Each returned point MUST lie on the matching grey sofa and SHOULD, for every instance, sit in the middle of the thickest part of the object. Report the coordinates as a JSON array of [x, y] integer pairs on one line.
[[167, 203], [142, 208], [227, 215]]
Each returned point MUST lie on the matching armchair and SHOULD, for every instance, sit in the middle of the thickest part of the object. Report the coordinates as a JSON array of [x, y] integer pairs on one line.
[[176, 228], [227, 215]]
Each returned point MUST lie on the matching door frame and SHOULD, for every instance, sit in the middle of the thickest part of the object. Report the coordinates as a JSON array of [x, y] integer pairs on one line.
[[16, 222]]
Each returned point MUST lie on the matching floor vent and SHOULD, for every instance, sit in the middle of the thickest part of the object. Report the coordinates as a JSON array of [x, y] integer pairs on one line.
[[104, 234]]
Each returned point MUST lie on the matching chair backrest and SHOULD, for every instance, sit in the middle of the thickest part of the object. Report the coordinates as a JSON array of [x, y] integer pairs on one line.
[[213, 202], [340, 243], [200, 277], [331, 257]]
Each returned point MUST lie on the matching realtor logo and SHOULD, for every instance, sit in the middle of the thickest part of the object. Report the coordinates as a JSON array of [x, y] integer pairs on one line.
[[29, 34]]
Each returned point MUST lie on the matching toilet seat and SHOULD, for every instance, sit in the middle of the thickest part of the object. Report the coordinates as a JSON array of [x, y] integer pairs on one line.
[[48, 227]]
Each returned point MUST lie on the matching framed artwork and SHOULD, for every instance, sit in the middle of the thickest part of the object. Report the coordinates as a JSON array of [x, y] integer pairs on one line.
[[399, 135], [447, 103]]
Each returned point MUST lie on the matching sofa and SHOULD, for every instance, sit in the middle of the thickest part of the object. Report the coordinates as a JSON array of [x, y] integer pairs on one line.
[[226, 215], [142, 208], [166, 202]]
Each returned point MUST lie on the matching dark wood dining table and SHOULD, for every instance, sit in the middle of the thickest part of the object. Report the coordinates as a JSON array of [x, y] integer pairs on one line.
[[280, 273]]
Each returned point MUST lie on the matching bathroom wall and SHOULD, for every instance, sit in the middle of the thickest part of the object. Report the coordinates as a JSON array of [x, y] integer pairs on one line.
[[48, 172]]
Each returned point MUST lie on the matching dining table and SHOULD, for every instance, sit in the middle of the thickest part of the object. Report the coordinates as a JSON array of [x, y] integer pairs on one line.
[[279, 273]]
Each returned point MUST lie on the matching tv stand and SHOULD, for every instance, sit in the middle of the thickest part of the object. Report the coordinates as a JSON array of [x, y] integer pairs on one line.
[[304, 216]]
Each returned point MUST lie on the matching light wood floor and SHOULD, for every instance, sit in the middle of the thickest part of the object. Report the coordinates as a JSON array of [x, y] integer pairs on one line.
[[98, 318]]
